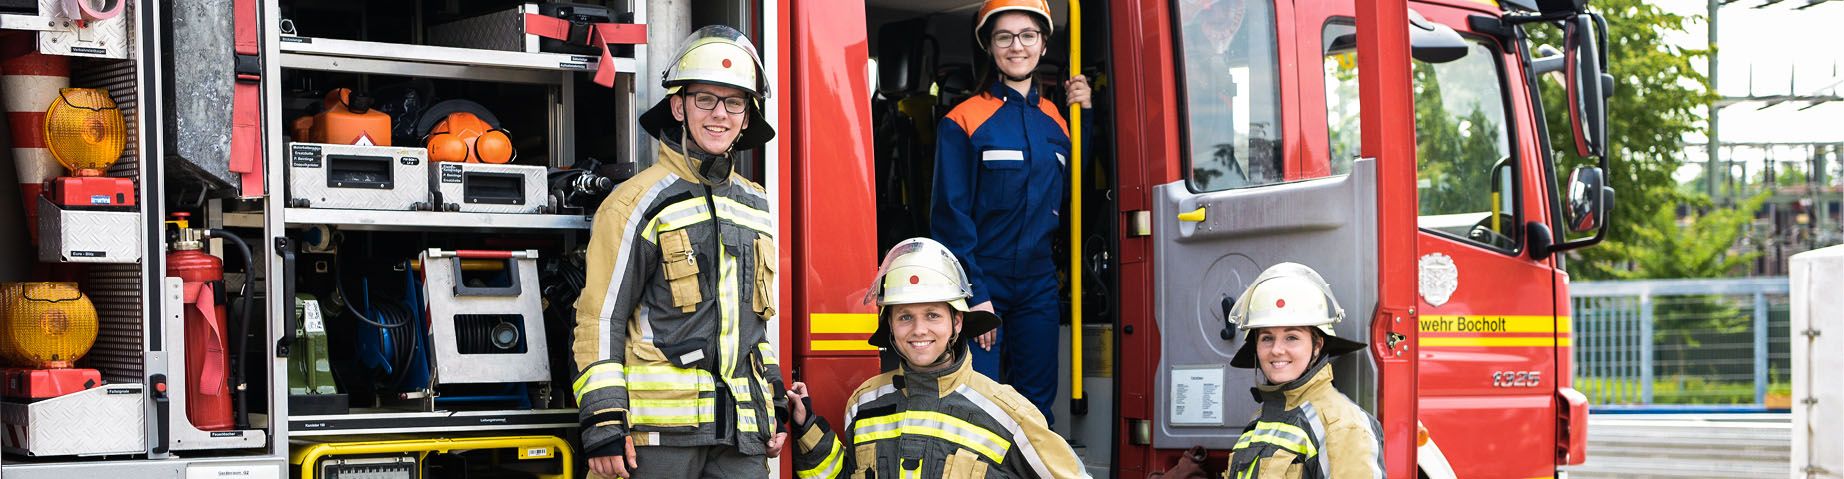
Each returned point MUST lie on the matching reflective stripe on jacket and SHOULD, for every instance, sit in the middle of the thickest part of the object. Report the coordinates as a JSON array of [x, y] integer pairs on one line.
[[1307, 429], [953, 424], [670, 336]]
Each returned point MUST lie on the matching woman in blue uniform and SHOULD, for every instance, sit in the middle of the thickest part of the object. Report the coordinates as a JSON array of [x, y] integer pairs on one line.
[[998, 194]]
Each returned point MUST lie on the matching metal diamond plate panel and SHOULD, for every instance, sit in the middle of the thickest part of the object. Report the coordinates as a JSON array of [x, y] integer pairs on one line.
[[104, 420], [453, 181], [104, 39], [84, 236]]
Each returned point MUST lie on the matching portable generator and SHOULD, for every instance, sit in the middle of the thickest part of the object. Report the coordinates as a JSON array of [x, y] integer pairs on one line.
[[357, 177]]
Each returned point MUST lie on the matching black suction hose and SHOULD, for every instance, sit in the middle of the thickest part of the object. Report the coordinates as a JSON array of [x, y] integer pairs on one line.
[[242, 414]]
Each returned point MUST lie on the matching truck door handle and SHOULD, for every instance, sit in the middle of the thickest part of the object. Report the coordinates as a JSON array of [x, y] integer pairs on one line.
[[1195, 216]]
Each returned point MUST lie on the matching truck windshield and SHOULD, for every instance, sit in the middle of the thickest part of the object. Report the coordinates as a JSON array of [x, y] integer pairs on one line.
[[1231, 93]]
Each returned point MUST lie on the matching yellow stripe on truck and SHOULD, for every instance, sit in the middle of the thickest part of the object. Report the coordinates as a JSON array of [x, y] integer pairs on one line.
[[1492, 323], [1492, 341], [842, 345], [842, 323]]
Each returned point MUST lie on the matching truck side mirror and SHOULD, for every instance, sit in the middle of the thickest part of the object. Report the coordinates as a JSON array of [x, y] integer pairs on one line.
[[1434, 42], [1586, 209], [1589, 85]]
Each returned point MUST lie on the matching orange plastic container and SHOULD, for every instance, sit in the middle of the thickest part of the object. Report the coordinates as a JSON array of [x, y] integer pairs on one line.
[[349, 120]]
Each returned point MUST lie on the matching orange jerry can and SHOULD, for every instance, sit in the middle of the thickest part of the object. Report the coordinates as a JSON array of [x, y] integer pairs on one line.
[[349, 120]]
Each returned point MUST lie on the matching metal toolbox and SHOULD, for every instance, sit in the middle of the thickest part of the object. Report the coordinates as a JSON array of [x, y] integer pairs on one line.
[[490, 188], [506, 30], [486, 325], [357, 177], [87, 236], [103, 420]]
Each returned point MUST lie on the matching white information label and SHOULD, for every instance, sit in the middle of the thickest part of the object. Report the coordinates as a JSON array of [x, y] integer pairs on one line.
[[1197, 396], [311, 317], [233, 472]]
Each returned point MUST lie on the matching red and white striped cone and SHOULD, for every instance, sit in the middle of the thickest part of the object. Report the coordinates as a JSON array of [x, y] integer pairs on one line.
[[29, 83]]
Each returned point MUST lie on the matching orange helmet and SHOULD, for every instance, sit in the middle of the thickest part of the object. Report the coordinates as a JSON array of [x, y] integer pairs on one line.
[[994, 7]]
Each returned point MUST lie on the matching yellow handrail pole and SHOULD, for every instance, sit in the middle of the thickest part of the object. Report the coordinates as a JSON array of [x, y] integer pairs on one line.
[[1075, 213]]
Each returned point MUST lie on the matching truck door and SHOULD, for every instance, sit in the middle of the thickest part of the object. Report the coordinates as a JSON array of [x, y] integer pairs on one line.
[[1244, 199], [1488, 329]]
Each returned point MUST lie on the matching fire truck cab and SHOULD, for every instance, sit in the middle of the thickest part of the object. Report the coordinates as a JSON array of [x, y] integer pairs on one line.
[[1227, 136]]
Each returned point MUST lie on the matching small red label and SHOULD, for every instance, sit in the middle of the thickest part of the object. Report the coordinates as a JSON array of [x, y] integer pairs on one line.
[[1280, 303], [726, 63], [913, 279]]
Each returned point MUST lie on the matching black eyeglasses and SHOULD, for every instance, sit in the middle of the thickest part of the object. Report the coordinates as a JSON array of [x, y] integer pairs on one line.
[[708, 102], [1027, 38]]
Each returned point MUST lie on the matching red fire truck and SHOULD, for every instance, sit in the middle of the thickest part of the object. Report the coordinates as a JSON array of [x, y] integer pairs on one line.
[[1401, 150]]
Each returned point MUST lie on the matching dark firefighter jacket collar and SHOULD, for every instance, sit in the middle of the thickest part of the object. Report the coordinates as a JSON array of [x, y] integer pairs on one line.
[[693, 166], [938, 382], [1001, 91], [1315, 382]]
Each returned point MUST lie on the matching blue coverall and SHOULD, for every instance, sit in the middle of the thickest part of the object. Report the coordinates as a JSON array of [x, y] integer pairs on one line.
[[998, 191]]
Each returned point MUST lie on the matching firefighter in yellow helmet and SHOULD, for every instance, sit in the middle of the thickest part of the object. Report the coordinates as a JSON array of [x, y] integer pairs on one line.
[[1306, 428], [934, 416], [676, 377]]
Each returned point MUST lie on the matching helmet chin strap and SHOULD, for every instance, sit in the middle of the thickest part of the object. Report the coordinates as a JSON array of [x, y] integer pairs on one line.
[[717, 161]]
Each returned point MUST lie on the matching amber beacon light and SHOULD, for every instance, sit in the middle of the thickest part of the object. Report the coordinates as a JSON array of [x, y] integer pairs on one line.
[[84, 130], [46, 325]]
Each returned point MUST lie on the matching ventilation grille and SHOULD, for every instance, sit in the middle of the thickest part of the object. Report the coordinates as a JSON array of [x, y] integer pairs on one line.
[[116, 289]]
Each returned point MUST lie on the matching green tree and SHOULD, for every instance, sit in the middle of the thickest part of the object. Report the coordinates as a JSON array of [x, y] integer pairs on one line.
[[1658, 97]]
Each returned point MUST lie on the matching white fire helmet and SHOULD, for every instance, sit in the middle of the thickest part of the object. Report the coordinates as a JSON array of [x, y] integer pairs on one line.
[[920, 270], [1288, 294]]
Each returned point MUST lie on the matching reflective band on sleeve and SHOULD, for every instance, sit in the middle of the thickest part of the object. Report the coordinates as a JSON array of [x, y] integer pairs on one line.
[[933, 424], [598, 376], [828, 467], [768, 355]]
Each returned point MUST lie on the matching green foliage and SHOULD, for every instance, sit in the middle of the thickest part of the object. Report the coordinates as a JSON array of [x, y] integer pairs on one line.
[[1678, 390], [1658, 97], [1662, 246]]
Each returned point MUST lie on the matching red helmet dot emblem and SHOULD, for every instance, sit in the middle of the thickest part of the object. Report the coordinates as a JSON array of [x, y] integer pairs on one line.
[[913, 279], [1280, 303], [726, 63]]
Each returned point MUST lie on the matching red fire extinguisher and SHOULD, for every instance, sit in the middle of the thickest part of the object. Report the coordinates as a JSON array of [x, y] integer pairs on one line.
[[208, 400]]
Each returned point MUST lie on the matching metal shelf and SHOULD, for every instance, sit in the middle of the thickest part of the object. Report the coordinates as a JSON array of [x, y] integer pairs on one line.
[[440, 421], [431, 220], [329, 54]]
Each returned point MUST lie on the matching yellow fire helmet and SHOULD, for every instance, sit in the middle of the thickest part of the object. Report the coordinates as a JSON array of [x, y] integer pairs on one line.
[[716, 55], [1288, 294], [920, 270], [993, 8]]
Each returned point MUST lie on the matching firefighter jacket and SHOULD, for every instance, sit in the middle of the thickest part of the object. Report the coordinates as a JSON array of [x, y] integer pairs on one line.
[[670, 337], [952, 424], [999, 185], [1307, 429]]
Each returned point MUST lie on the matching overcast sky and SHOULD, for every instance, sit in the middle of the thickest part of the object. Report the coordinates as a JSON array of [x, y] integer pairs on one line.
[[1773, 50]]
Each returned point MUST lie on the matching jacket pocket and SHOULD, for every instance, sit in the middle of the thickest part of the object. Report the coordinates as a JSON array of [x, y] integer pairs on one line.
[[666, 398], [964, 464], [1001, 179], [680, 267], [867, 461], [765, 276]]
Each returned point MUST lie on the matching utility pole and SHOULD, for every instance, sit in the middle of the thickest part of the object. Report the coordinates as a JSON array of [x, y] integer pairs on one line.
[[1713, 166]]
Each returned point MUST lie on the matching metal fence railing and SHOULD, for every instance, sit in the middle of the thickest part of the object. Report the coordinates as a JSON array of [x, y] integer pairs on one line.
[[1702, 343]]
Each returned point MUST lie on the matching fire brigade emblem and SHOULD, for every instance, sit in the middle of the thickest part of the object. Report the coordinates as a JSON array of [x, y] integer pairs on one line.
[[1439, 278]]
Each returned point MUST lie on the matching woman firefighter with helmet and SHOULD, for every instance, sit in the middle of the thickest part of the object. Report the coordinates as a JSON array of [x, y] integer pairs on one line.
[[934, 416], [1306, 428], [999, 185]]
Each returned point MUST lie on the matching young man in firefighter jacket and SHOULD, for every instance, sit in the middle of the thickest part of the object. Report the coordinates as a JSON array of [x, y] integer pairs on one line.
[[999, 186], [676, 377], [1306, 428], [934, 416]]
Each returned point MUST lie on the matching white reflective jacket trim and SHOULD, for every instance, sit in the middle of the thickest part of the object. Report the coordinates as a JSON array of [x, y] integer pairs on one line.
[[851, 410], [1025, 447], [624, 253]]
